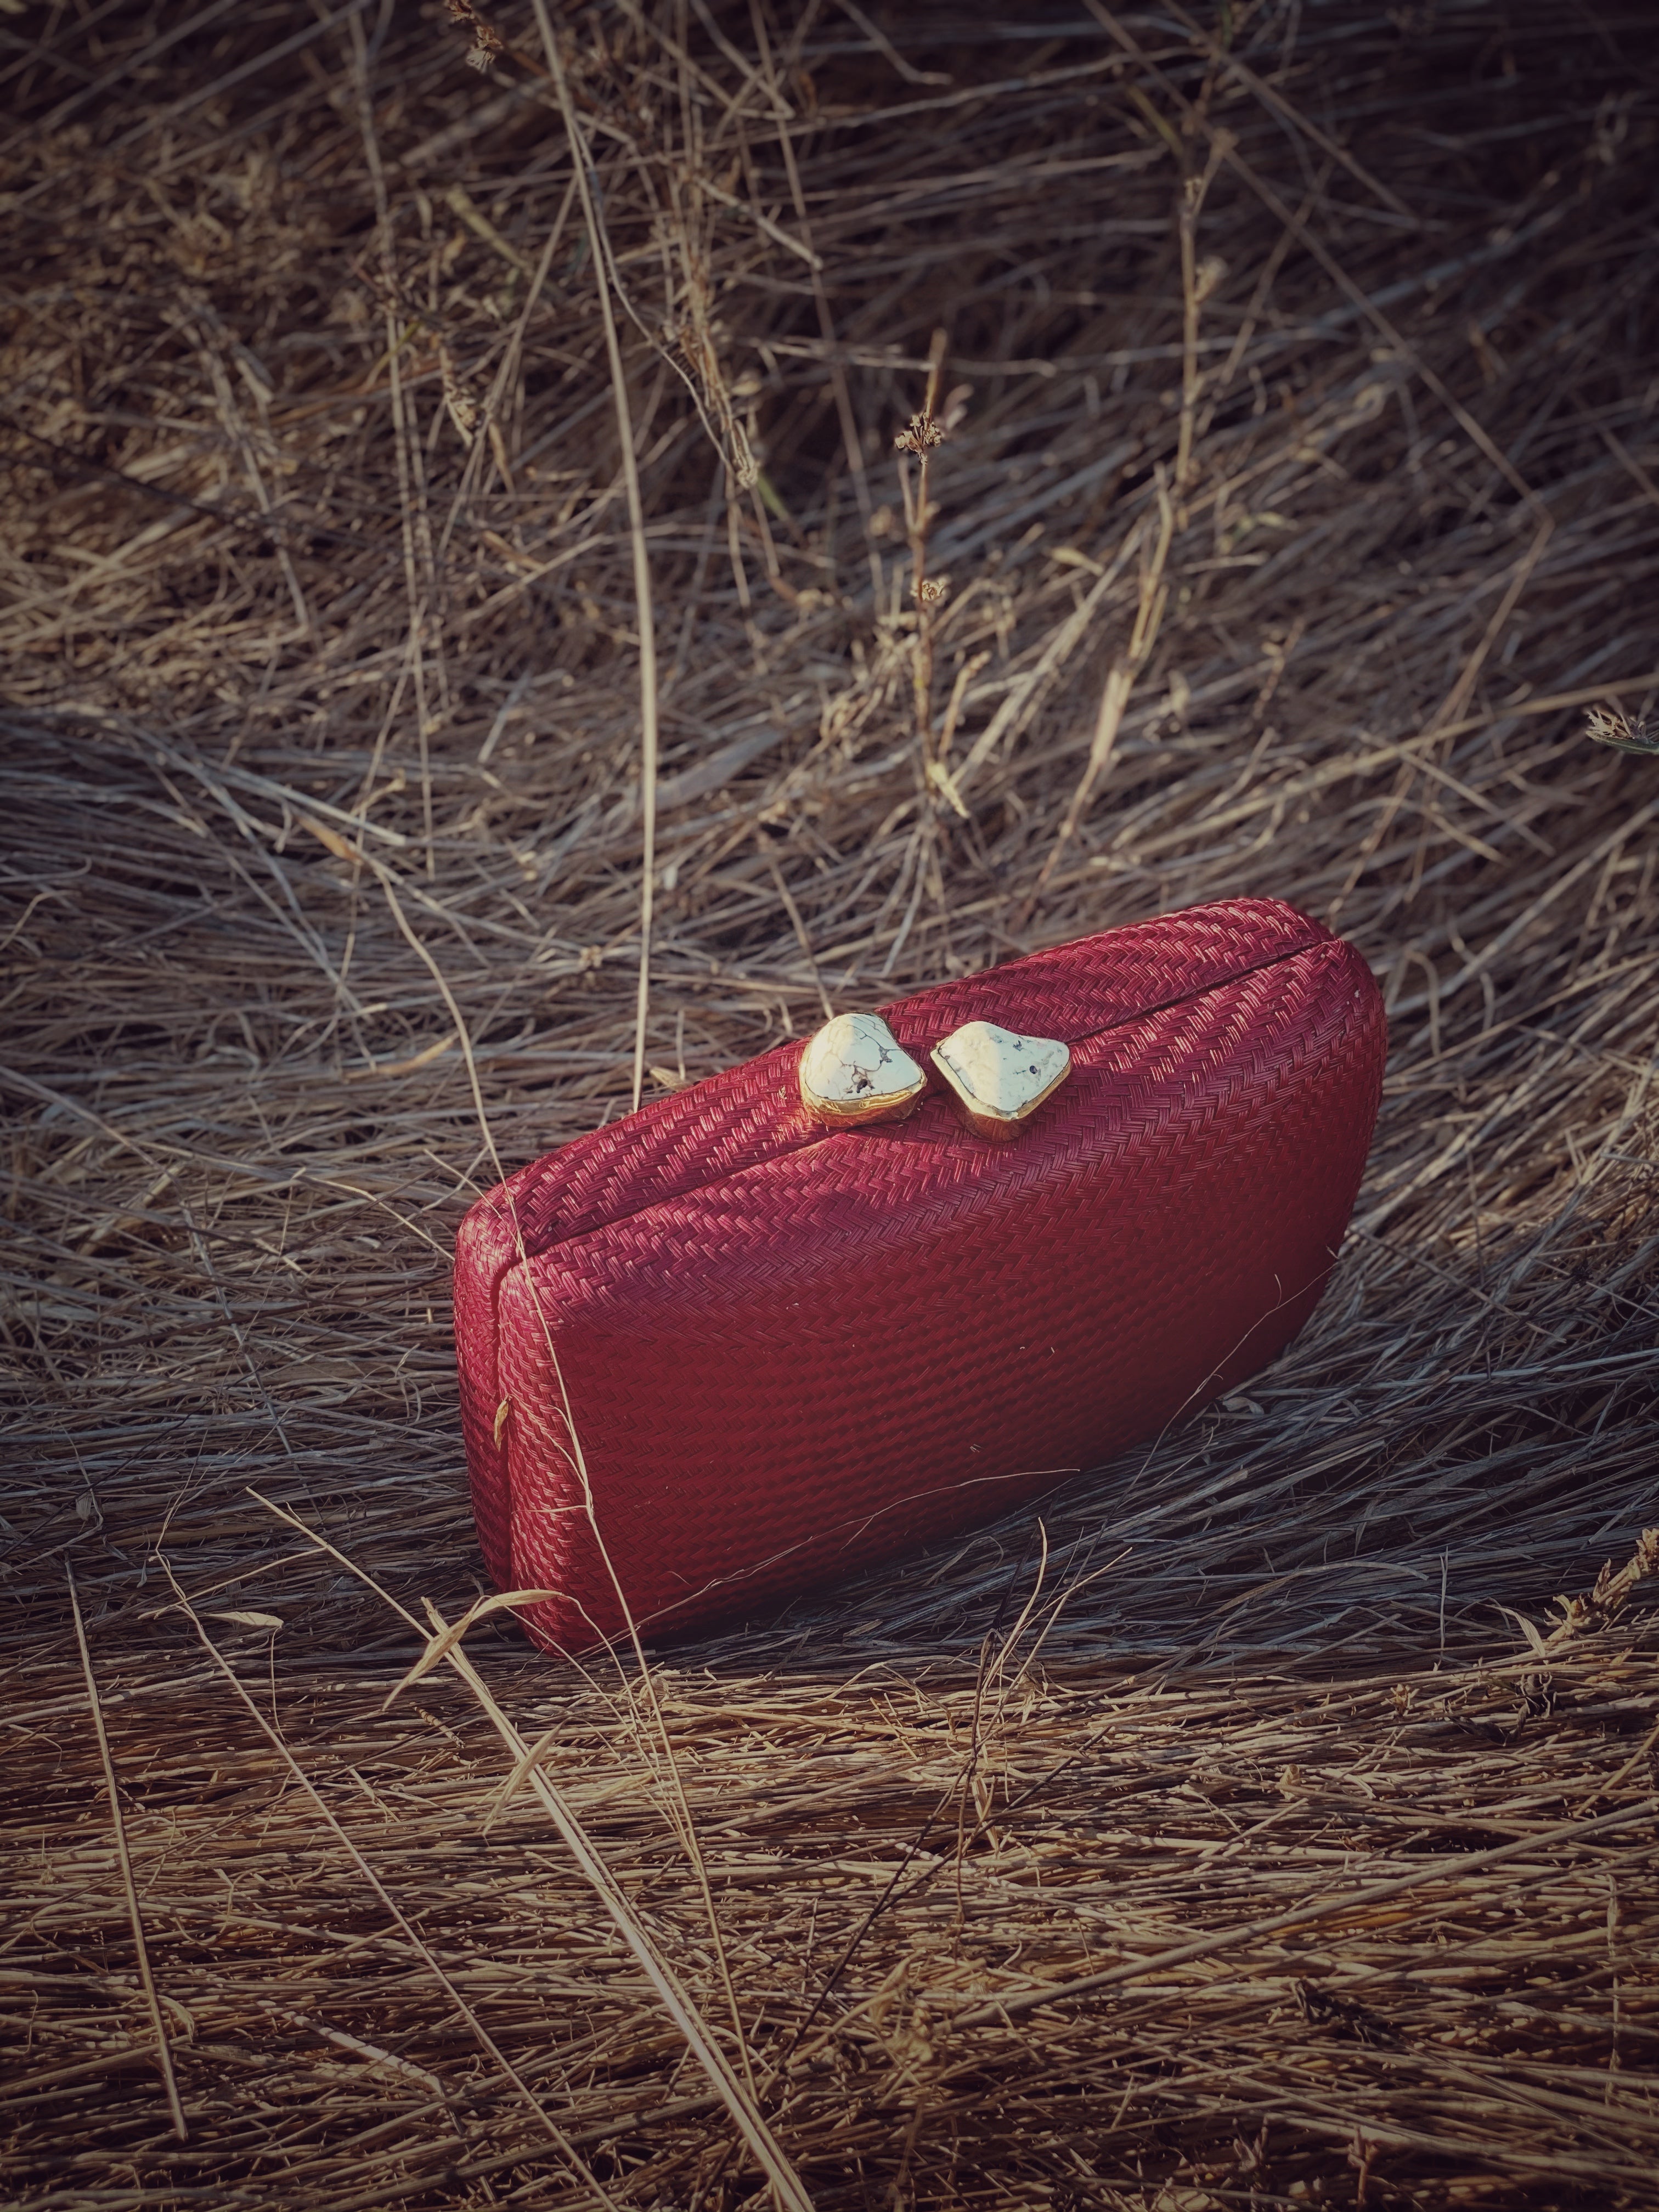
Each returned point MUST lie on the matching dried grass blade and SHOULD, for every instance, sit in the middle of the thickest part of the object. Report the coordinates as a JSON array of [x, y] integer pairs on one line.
[[406, 1928], [1302, 1915], [418, 580], [163, 2049], [739, 2099], [603, 277], [441, 1645], [1119, 685], [787, 2186]]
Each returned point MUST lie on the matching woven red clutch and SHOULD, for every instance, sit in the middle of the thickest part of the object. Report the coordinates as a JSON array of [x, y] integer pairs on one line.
[[790, 1351]]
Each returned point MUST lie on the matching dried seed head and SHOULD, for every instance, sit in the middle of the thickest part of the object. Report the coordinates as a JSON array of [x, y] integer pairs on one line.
[[1208, 274], [463, 408], [924, 430], [487, 41], [1626, 734], [931, 591]]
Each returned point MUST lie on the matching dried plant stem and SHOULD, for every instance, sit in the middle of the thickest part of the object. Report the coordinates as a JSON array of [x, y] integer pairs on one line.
[[851, 444], [604, 278], [1196, 285], [406, 1928], [1445, 719], [1193, 119], [964, 675], [738, 2097], [800, 928], [443, 1645], [416, 535], [344, 849], [921, 665], [152, 1997], [1119, 683], [925, 591], [1566, 1836]]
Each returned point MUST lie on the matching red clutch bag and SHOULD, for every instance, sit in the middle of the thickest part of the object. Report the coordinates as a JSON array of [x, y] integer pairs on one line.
[[767, 1331]]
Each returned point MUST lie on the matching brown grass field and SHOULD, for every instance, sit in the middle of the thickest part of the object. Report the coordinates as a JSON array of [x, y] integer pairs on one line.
[[1257, 1824]]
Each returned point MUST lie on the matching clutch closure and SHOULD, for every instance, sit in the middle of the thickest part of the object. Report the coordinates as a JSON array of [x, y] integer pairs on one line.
[[855, 1073], [999, 1078]]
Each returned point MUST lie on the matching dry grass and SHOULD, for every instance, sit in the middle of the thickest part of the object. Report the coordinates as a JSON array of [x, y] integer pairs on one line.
[[1223, 1836]]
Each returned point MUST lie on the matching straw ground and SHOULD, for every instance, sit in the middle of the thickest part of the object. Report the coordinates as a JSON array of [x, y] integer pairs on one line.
[[1250, 1826]]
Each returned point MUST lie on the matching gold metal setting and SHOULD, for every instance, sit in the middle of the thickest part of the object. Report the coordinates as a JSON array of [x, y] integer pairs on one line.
[[1000, 1080], [855, 1071]]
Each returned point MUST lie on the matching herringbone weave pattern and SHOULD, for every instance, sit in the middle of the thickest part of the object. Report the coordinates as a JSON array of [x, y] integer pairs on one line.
[[788, 1352]]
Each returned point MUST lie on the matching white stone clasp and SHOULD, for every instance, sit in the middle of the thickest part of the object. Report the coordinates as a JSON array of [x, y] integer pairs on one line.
[[855, 1071], [1000, 1080]]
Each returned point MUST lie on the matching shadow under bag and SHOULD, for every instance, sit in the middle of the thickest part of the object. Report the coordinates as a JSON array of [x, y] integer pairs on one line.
[[789, 1351]]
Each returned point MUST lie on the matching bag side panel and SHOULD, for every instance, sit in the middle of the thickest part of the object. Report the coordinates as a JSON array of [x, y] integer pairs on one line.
[[484, 1251], [552, 1543]]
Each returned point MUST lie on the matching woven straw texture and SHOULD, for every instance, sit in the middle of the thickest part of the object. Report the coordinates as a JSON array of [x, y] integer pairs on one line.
[[788, 1352]]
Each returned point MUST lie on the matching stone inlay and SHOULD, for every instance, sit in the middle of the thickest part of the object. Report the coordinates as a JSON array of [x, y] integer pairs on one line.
[[1000, 1078], [856, 1070]]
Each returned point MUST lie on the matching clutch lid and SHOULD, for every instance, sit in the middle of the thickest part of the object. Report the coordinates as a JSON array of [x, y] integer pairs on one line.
[[751, 1114]]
